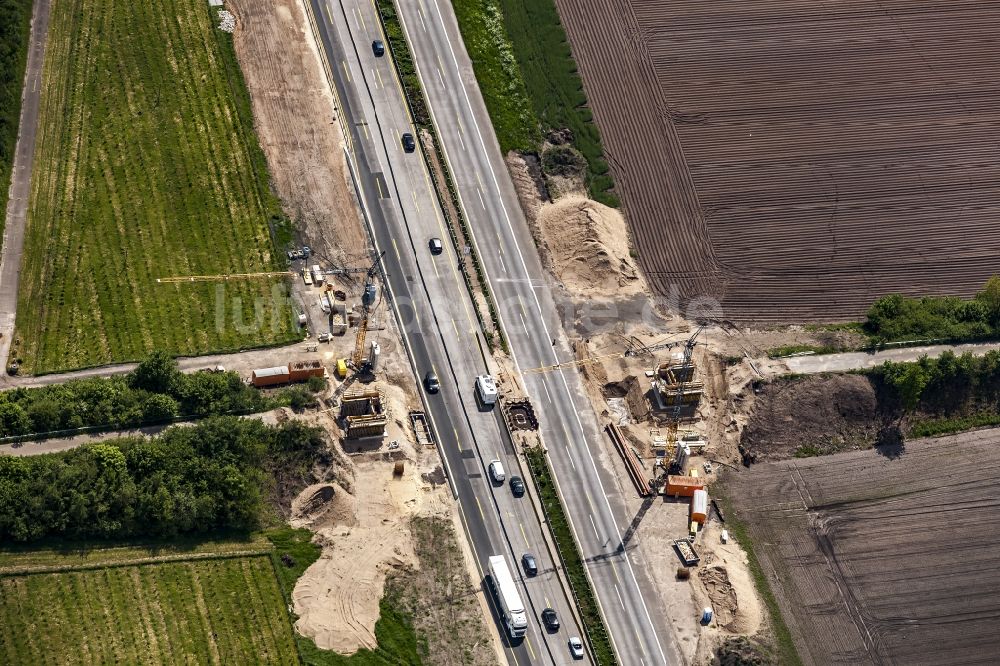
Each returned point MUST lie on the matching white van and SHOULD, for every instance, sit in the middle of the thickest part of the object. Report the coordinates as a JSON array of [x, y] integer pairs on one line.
[[496, 471]]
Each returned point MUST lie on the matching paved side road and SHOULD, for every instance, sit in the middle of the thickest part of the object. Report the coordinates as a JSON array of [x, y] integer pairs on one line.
[[862, 360], [20, 179]]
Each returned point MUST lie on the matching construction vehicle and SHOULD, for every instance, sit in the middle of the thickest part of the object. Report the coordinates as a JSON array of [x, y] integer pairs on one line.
[[358, 360]]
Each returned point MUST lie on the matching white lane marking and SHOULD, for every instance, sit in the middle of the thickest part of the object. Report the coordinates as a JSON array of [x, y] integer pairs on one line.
[[502, 263], [481, 200], [346, 73], [593, 464], [525, 325], [619, 597], [378, 75], [594, 525], [422, 24], [441, 78], [548, 396]]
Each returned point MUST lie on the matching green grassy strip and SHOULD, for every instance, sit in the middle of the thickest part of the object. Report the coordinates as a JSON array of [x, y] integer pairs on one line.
[[947, 426], [788, 350], [15, 28], [520, 53], [786, 654], [416, 101], [499, 76], [572, 561]]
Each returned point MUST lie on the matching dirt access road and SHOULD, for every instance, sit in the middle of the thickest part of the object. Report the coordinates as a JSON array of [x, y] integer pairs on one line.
[[861, 360]]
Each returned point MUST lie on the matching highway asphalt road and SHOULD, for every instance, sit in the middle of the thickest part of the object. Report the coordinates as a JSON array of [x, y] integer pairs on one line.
[[435, 312], [20, 179], [569, 426]]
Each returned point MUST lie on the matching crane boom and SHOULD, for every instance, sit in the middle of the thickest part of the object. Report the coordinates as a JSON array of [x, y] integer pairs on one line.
[[226, 276], [366, 303]]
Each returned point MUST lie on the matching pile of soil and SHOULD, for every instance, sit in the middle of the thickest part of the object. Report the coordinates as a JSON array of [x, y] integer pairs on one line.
[[588, 247], [721, 593], [814, 415]]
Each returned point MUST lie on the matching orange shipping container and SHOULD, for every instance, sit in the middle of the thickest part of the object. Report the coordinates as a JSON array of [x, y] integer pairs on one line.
[[683, 486]]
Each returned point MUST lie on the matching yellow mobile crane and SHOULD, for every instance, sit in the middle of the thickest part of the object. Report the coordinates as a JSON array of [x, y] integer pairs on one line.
[[367, 301]]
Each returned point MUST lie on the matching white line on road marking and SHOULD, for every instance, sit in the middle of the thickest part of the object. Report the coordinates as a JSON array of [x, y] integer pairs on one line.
[[619, 597], [415, 203], [378, 75], [503, 264], [594, 525], [396, 248], [481, 200], [523, 534], [441, 77], [547, 395], [346, 73], [524, 324], [422, 24], [457, 336]]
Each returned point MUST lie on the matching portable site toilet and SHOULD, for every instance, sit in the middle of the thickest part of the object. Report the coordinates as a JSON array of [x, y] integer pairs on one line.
[[706, 615]]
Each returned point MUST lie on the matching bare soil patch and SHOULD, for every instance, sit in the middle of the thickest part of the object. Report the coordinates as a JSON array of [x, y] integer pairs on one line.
[[293, 113], [790, 159], [876, 560], [814, 415]]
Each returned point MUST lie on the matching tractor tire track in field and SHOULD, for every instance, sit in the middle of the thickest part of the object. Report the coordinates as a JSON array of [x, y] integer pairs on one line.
[[797, 160]]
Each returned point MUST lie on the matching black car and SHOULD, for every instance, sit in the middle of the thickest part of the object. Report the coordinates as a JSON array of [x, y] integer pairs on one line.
[[431, 382], [409, 145], [517, 486], [378, 48], [550, 619], [530, 564], [436, 246]]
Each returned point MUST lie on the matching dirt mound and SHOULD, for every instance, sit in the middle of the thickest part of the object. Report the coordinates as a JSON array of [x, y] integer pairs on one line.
[[323, 505], [588, 247], [812, 415], [721, 593]]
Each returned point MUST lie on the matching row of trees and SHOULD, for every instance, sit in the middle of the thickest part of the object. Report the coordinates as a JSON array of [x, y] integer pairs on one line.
[[897, 317], [947, 386], [156, 391], [215, 475]]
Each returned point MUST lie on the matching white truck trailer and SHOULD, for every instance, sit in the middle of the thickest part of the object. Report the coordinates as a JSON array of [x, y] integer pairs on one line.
[[507, 597], [486, 390]]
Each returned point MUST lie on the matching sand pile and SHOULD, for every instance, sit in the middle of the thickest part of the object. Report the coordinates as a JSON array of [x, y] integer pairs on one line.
[[588, 248], [364, 538]]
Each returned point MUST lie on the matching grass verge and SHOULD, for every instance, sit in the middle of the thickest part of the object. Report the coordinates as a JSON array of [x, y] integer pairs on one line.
[[15, 29], [522, 59], [783, 645], [572, 561], [499, 74], [137, 180]]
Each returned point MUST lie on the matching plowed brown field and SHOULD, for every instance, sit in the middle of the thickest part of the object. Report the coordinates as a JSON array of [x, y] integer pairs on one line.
[[796, 159], [879, 561]]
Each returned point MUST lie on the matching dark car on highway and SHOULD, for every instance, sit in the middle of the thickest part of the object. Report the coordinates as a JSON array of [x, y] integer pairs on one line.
[[530, 564], [436, 246], [409, 145], [517, 486], [431, 382], [378, 48], [550, 619]]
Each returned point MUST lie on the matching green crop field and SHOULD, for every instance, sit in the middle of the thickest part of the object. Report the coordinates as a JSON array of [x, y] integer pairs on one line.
[[146, 166], [228, 610]]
